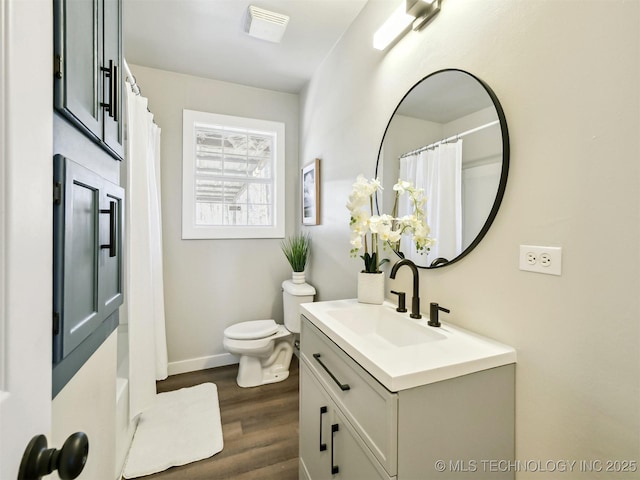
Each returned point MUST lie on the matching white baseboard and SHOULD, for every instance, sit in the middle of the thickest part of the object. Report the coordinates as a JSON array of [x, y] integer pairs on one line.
[[201, 363]]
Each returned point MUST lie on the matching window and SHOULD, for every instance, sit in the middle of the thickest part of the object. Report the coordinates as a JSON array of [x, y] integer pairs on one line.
[[232, 177]]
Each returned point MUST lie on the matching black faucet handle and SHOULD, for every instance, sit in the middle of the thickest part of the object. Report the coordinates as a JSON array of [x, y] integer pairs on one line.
[[402, 300], [434, 310]]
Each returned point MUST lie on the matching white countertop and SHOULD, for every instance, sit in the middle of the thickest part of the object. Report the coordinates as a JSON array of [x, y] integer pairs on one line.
[[404, 355]]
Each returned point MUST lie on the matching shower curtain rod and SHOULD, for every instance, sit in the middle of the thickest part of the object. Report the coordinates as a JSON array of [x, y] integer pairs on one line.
[[132, 79], [450, 139]]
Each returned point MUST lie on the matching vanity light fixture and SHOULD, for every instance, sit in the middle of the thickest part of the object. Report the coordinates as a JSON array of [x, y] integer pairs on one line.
[[423, 11], [411, 12], [395, 26], [265, 25]]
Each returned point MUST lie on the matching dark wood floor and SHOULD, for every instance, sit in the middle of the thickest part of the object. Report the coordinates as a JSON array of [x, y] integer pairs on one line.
[[259, 427]]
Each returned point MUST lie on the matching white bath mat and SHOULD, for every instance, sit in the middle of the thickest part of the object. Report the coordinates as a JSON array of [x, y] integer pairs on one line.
[[182, 427]]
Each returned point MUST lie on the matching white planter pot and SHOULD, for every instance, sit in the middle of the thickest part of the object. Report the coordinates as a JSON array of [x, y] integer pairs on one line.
[[371, 288], [298, 277]]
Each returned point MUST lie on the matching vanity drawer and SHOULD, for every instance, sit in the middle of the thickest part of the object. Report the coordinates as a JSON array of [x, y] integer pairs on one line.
[[370, 408]]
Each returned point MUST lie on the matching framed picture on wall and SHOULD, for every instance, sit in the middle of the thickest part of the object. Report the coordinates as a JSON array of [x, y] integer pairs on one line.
[[310, 188]]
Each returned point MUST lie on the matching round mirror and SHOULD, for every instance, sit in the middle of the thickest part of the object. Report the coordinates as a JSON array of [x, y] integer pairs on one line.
[[448, 136]]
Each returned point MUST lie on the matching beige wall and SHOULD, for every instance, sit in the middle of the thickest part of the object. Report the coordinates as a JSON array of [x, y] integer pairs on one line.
[[567, 74], [211, 284]]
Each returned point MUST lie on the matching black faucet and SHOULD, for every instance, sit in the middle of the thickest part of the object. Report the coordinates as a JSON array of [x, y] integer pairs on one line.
[[402, 297], [415, 300], [434, 310]]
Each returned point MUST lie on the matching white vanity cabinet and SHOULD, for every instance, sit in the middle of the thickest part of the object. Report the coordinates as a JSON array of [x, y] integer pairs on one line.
[[449, 429], [330, 446]]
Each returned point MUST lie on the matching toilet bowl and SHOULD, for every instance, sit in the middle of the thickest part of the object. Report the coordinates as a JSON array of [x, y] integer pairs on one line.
[[265, 347]]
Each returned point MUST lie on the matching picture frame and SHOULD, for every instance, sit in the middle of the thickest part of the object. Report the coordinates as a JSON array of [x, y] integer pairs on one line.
[[310, 189]]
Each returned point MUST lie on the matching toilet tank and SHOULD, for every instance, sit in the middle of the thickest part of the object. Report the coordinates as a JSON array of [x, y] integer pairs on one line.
[[293, 294]]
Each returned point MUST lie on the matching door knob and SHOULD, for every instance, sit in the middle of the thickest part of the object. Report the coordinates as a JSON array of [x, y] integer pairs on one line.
[[38, 460]]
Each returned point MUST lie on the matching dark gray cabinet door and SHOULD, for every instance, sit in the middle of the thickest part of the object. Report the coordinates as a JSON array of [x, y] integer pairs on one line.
[[111, 237], [88, 73], [76, 233], [113, 134], [78, 38], [87, 259]]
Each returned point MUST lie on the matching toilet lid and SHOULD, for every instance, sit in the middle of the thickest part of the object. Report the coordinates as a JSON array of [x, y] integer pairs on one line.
[[251, 330]]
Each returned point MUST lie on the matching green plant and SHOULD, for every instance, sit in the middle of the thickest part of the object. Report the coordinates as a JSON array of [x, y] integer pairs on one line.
[[296, 249], [371, 263]]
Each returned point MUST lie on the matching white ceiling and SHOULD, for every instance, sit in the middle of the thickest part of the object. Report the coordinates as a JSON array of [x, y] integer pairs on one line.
[[444, 97], [206, 38]]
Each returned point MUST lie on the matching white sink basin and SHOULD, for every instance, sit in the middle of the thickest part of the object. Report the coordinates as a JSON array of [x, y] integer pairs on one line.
[[383, 327], [402, 352]]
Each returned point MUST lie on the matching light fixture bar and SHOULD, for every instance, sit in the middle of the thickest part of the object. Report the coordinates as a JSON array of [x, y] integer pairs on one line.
[[423, 10], [395, 26]]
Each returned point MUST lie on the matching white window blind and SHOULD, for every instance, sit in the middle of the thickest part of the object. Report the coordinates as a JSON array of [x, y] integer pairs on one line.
[[233, 170]]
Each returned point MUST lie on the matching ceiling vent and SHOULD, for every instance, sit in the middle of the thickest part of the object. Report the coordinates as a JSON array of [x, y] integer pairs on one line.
[[266, 25]]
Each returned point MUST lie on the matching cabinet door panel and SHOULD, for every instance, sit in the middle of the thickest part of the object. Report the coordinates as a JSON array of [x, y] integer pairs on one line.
[[112, 203], [314, 427], [81, 305], [88, 220], [328, 440], [88, 61], [112, 85], [76, 266], [78, 43], [351, 457]]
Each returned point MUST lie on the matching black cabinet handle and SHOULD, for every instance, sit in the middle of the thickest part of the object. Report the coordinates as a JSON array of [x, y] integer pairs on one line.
[[343, 386], [38, 460], [334, 468], [115, 83], [113, 225], [323, 446], [112, 74]]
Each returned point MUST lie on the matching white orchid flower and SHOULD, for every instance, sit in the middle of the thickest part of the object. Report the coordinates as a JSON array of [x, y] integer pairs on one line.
[[356, 241], [375, 223], [376, 185], [384, 227], [394, 236], [402, 186], [357, 202]]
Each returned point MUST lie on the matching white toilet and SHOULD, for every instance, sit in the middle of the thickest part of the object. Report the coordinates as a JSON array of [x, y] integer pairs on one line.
[[264, 346]]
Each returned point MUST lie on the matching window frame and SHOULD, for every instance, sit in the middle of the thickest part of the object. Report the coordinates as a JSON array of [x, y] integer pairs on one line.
[[190, 229]]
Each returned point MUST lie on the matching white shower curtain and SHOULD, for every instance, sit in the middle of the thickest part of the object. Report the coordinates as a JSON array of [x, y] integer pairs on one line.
[[144, 300], [438, 171]]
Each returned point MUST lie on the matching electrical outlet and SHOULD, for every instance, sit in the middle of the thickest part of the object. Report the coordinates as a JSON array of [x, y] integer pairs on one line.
[[545, 260], [541, 259], [531, 258]]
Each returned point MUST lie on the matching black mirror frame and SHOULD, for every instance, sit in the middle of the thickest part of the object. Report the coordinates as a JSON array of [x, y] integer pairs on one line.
[[503, 174]]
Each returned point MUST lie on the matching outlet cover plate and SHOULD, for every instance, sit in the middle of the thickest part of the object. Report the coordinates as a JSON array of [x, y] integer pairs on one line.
[[534, 258]]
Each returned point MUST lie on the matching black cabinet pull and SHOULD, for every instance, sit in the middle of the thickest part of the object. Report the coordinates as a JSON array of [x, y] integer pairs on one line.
[[323, 446], [113, 225], [115, 83], [334, 468], [343, 386], [112, 74]]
